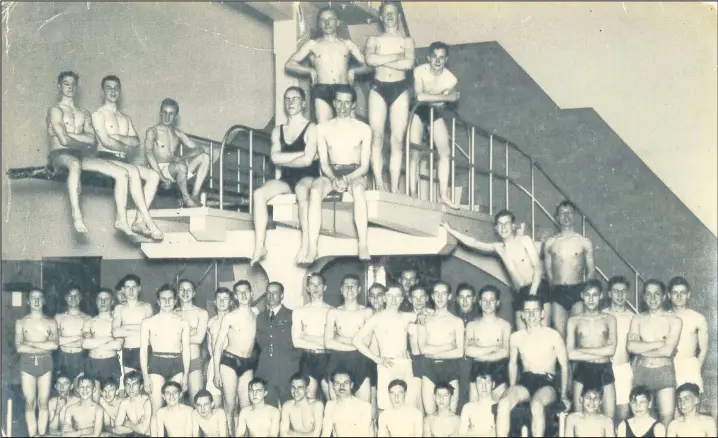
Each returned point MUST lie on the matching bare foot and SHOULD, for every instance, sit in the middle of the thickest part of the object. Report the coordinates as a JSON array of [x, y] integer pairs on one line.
[[258, 255], [189, 203], [301, 255], [446, 201], [123, 226], [156, 234], [311, 256], [364, 253], [139, 227], [79, 225]]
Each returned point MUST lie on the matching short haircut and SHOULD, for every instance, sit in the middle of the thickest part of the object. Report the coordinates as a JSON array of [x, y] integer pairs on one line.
[[689, 387], [378, 286], [276, 284], [386, 3], [62, 374], [171, 383], [532, 299], [678, 281], [410, 269], [326, 9], [592, 388], [106, 291], [170, 102], [655, 282], [438, 45], [242, 283], [351, 277], [166, 287], [593, 284], [640, 390], [301, 92], [484, 373], [504, 213], [618, 279], [133, 375], [397, 382], [565, 203], [72, 287], [317, 275], [441, 283], [109, 381], [345, 89], [417, 286], [299, 376], [84, 377], [35, 289], [444, 385], [129, 277], [222, 290], [341, 371], [110, 78], [186, 280], [66, 74], [203, 393], [465, 286], [257, 381], [489, 288]]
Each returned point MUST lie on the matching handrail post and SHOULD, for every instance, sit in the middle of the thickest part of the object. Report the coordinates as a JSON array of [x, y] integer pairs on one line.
[[211, 165], [635, 287], [216, 275], [239, 170], [221, 174], [491, 173], [453, 160], [583, 233], [506, 168], [472, 165], [533, 202], [251, 169], [431, 155], [407, 151]]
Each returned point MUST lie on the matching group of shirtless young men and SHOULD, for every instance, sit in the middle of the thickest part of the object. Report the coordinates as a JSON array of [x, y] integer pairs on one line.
[[403, 366]]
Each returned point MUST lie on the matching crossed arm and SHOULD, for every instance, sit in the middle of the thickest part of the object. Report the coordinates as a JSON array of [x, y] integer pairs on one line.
[[70, 139], [123, 427], [397, 61], [453, 350], [665, 348], [69, 430], [489, 354], [301, 339], [331, 339], [34, 347], [450, 95], [116, 142], [589, 354], [90, 342]]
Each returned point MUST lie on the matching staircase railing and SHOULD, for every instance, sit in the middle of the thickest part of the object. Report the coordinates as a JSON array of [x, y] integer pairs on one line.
[[464, 150]]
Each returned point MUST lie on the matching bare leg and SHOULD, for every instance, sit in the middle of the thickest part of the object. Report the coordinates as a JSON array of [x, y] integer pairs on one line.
[[377, 121], [155, 399], [621, 413], [609, 400], [577, 388], [269, 190], [416, 134], [229, 391], [320, 188], [195, 382], [74, 170], [44, 385], [512, 397], [398, 119], [323, 111], [559, 318], [454, 404], [119, 174], [198, 165], [302, 191], [542, 398], [364, 391], [28, 384], [666, 405], [152, 181], [361, 220], [441, 140], [179, 174], [325, 388], [427, 396], [135, 184], [243, 388], [520, 323], [312, 389]]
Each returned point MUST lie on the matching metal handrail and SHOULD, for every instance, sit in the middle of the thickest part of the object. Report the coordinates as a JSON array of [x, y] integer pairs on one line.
[[507, 179]]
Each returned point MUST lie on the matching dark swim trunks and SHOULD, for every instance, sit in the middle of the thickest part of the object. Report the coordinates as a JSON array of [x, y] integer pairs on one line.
[[71, 363], [240, 365], [424, 113], [103, 369], [358, 365], [314, 365], [325, 92], [131, 358], [654, 379], [543, 292], [566, 295], [593, 374], [166, 365], [533, 382], [441, 370], [292, 175], [390, 91], [417, 365], [36, 365], [499, 370]]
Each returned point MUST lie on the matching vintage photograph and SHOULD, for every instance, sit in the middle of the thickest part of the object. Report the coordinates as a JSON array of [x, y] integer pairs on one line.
[[359, 219]]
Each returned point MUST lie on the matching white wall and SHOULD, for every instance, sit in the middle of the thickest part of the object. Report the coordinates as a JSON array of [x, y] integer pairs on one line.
[[649, 70]]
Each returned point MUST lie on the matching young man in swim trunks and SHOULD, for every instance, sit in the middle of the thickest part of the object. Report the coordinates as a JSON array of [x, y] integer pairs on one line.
[[591, 342], [342, 324], [259, 419], [222, 302], [443, 422], [83, 418], [116, 141], [169, 337], [691, 423], [301, 417], [110, 402], [441, 341], [653, 338], [392, 56], [102, 363], [568, 260], [618, 288], [72, 138], [35, 340], [641, 424], [541, 349], [329, 56], [126, 321], [390, 328], [478, 417], [175, 418], [436, 85], [344, 147], [487, 344], [71, 358], [519, 255], [308, 323], [407, 279], [297, 162], [417, 304], [161, 149], [58, 404], [588, 421], [400, 419], [347, 415], [135, 413], [235, 361], [376, 295], [692, 349], [197, 318], [207, 420]]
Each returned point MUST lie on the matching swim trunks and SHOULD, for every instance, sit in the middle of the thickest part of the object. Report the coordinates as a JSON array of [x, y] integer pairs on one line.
[[292, 175], [358, 365], [688, 370], [591, 374], [71, 363], [110, 155], [417, 362], [651, 432], [533, 382], [240, 365], [499, 370], [390, 91], [543, 292], [314, 364], [36, 365], [440, 370], [624, 382], [341, 170], [131, 358], [566, 295], [373, 376], [166, 365], [424, 114], [77, 153], [195, 364], [165, 171], [102, 369], [654, 379], [325, 92]]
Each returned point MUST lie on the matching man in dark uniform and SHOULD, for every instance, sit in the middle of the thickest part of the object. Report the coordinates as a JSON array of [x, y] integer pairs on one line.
[[465, 308], [408, 278], [277, 358]]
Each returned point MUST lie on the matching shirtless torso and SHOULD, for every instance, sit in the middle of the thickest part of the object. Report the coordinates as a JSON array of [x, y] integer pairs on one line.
[[690, 355], [75, 121], [350, 417], [696, 425], [174, 421], [69, 330], [441, 425], [588, 425], [566, 258], [135, 415], [390, 44], [537, 349], [115, 123], [259, 421], [343, 149], [241, 328], [401, 421], [301, 418], [654, 328], [83, 419], [126, 322], [213, 425], [99, 331], [477, 419]]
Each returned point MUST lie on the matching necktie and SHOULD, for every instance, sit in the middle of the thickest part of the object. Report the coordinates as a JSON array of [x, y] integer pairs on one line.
[[271, 315]]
